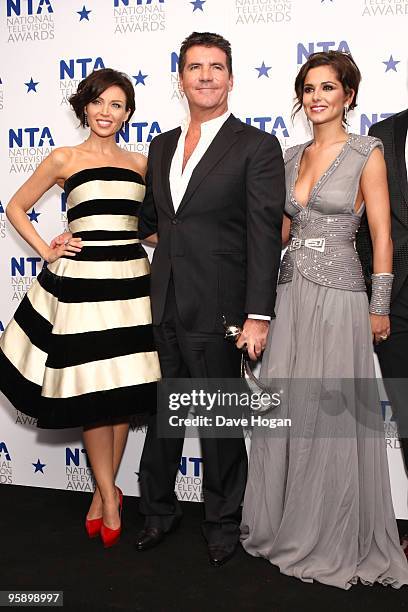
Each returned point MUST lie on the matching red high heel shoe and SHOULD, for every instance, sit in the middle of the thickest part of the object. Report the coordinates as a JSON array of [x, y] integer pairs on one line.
[[111, 536], [93, 527]]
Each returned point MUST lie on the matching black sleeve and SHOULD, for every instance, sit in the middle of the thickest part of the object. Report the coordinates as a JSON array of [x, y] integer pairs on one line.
[[148, 214], [363, 239], [265, 193]]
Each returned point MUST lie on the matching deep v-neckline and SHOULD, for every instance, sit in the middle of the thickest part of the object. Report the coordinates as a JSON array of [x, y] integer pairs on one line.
[[332, 166]]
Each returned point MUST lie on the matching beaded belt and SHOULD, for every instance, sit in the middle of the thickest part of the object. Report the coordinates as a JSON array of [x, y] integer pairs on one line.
[[317, 244]]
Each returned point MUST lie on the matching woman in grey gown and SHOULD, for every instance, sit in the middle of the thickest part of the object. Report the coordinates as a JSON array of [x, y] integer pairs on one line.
[[318, 501]]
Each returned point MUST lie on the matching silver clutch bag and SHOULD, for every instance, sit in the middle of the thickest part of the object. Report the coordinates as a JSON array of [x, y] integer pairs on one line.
[[232, 333]]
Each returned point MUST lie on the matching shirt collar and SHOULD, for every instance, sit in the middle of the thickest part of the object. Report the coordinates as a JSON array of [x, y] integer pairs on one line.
[[211, 126]]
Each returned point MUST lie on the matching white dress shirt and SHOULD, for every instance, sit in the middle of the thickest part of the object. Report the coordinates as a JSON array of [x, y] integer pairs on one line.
[[180, 178]]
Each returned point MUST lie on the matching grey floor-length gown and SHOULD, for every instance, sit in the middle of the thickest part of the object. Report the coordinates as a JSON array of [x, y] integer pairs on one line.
[[318, 500]]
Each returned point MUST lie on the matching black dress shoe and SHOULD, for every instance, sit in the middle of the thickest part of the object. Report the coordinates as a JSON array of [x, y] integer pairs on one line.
[[219, 554], [149, 537]]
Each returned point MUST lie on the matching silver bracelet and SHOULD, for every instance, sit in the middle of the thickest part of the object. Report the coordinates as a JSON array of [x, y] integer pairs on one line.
[[381, 293]]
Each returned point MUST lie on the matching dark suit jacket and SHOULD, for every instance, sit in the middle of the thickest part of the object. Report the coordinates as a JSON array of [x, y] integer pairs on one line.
[[392, 131], [223, 244]]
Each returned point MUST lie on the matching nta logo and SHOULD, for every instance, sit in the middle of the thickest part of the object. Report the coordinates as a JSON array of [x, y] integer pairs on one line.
[[73, 456], [69, 68], [30, 7], [3, 449], [262, 123], [366, 121], [174, 60], [139, 129], [304, 50], [19, 266], [118, 3], [196, 461], [30, 137]]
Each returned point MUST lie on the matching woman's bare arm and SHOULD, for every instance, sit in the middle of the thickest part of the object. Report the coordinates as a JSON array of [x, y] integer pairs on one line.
[[374, 189], [48, 174]]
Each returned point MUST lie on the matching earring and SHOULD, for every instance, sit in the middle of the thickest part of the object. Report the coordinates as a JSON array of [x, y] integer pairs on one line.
[[345, 117], [309, 123], [86, 124]]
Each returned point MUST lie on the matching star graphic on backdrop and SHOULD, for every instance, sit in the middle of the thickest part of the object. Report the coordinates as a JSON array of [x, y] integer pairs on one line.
[[325, 1], [391, 64], [31, 85], [39, 467], [33, 216], [198, 5], [263, 70], [84, 14], [140, 78]]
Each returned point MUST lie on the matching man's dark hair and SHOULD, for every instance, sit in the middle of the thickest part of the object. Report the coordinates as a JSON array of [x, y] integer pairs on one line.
[[205, 39], [94, 84]]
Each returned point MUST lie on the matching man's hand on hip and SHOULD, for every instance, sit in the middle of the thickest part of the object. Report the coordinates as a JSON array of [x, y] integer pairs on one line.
[[254, 336]]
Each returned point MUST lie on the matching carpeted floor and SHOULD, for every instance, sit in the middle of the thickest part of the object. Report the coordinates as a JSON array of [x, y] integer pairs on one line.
[[44, 546]]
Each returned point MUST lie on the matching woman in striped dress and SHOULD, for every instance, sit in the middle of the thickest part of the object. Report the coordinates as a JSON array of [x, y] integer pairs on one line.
[[80, 350]]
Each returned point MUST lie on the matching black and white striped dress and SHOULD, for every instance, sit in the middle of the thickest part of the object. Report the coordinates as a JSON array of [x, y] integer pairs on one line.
[[80, 347]]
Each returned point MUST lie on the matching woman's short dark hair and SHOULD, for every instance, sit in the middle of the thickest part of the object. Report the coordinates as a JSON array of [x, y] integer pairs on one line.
[[344, 66], [94, 84], [204, 39]]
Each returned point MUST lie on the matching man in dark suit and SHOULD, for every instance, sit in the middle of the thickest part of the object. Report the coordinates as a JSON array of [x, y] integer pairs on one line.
[[215, 196], [393, 352]]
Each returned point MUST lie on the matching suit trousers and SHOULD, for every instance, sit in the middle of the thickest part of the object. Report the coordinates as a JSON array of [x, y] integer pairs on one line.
[[393, 358], [190, 354]]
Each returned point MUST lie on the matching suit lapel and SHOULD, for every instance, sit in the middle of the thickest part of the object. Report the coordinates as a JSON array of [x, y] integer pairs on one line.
[[400, 134], [168, 153], [218, 148]]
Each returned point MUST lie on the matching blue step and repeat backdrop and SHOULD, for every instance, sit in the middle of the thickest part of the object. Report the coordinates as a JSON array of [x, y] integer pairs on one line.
[[48, 46]]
